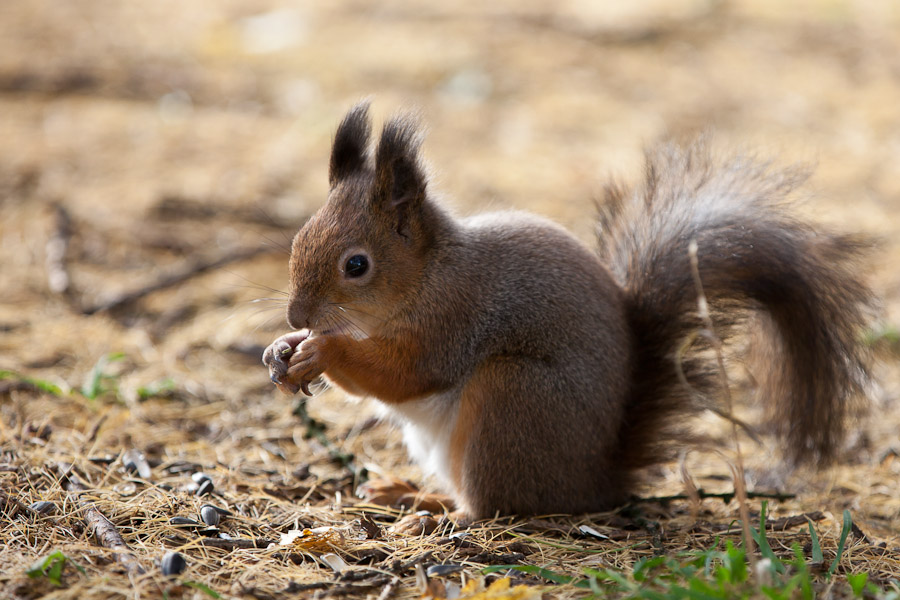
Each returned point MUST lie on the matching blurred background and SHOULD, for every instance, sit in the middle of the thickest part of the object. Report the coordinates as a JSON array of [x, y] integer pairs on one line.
[[156, 157]]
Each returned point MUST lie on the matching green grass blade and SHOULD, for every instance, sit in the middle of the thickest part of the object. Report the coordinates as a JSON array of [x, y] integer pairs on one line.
[[532, 570], [845, 531], [203, 588], [760, 536], [51, 567], [44, 386], [817, 556], [857, 583], [94, 385]]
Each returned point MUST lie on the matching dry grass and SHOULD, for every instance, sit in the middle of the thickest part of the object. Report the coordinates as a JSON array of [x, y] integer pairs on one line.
[[172, 137], [272, 482]]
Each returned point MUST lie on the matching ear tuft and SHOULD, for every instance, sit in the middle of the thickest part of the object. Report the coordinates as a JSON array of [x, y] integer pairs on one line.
[[350, 151], [399, 176]]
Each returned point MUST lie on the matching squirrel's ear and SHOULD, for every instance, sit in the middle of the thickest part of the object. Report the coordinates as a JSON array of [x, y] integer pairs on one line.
[[400, 179], [350, 151]]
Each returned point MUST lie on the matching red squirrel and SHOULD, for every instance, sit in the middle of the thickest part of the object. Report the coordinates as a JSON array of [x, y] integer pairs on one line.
[[532, 374]]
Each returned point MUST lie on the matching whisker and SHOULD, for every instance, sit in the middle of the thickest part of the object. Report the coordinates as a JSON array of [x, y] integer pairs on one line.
[[265, 323], [276, 244], [357, 310], [264, 310], [278, 224], [355, 329], [255, 285]]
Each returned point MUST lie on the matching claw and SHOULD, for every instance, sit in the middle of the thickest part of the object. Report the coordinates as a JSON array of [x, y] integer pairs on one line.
[[274, 378], [304, 387]]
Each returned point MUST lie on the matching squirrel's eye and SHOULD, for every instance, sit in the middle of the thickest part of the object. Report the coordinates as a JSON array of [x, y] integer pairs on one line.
[[356, 266]]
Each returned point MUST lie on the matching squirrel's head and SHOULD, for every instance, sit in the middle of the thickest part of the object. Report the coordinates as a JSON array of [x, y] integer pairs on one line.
[[368, 246]]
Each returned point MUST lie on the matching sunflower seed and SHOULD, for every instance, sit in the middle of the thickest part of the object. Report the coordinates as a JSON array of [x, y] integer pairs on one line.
[[43, 507], [589, 531], [209, 515], [172, 563], [205, 488], [199, 477], [441, 570], [135, 462], [334, 561], [183, 522]]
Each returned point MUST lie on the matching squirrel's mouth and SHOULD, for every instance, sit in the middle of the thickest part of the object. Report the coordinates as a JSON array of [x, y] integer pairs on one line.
[[346, 323], [355, 333]]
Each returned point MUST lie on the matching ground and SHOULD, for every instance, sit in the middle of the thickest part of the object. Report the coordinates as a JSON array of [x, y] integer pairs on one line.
[[183, 143]]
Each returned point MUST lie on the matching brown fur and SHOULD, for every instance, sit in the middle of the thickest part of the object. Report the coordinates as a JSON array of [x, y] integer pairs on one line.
[[533, 375]]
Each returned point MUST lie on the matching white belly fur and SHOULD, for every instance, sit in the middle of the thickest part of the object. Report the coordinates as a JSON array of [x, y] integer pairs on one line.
[[427, 426]]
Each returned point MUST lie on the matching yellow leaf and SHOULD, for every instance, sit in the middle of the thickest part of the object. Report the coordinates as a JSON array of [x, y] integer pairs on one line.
[[499, 590], [320, 539]]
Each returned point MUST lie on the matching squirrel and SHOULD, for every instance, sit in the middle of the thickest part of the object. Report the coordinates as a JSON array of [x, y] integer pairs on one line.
[[532, 374]]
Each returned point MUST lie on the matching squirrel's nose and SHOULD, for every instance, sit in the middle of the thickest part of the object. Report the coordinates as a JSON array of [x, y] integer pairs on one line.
[[297, 315]]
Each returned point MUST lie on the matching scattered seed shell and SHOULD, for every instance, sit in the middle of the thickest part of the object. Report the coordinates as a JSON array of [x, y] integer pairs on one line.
[[199, 477], [172, 564], [334, 561], [441, 570], [43, 507], [209, 515], [183, 522], [125, 488], [206, 488], [223, 512], [589, 531], [134, 462]]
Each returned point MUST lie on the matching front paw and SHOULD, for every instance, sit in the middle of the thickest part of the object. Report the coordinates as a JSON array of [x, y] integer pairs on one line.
[[307, 363], [277, 358]]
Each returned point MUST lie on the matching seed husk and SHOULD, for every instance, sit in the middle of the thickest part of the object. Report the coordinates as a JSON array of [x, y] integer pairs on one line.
[[209, 515], [172, 564]]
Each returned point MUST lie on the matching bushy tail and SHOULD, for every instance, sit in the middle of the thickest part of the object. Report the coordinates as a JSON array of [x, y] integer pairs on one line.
[[753, 257]]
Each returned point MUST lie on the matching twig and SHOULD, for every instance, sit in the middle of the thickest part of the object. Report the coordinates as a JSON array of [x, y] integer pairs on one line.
[[794, 521], [399, 568], [94, 430], [11, 506], [724, 496], [237, 543], [293, 587], [702, 399], [388, 590], [690, 487], [57, 247], [354, 588], [334, 588], [17, 385], [102, 528], [176, 277], [173, 207], [739, 481]]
